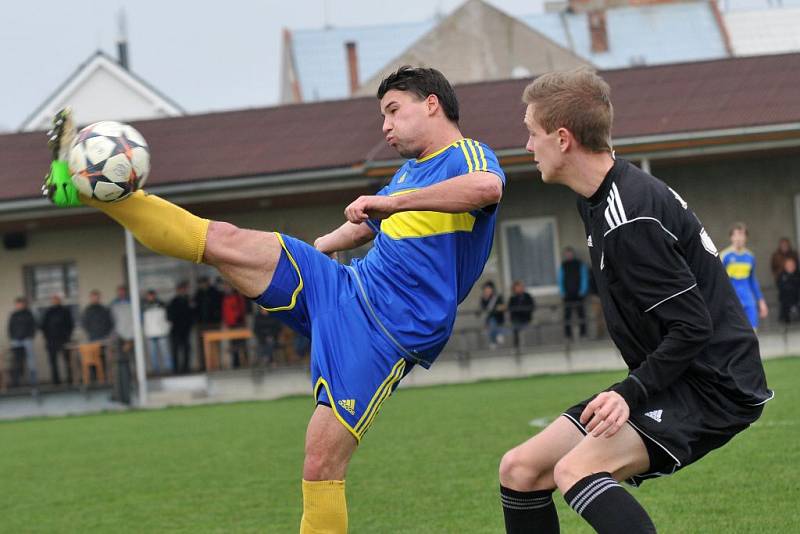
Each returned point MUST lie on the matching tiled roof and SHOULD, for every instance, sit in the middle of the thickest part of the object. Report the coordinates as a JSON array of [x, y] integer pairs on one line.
[[667, 99]]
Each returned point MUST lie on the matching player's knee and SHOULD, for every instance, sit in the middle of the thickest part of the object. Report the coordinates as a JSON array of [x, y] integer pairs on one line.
[[319, 465], [518, 471], [567, 472]]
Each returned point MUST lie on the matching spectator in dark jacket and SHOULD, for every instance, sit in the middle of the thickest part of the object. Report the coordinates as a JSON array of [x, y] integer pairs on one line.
[[57, 325], [208, 311], [96, 319], [266, 329], [573, 281], [788, 282], [21, 331], [179, 314], [97, 322], [520, 309], [780, 255]]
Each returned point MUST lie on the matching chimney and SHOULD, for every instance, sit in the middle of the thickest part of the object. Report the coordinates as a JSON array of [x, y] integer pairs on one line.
[[122, 40], [597, 31], [352, 65]]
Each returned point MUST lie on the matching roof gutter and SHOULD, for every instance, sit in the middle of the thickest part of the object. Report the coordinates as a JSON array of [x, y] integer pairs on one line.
[[629, 143]]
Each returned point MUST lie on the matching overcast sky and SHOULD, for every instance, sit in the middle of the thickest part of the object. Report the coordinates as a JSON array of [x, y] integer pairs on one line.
[[203, 58]]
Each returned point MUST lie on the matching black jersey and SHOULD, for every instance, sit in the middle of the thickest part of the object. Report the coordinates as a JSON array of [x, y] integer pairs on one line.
[[668, 303]]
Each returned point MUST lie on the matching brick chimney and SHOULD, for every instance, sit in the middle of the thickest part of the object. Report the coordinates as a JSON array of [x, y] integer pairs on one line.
[[352, 65], [597, 31]]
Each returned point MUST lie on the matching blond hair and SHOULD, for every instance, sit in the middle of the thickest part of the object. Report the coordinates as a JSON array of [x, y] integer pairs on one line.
[[578, 100]]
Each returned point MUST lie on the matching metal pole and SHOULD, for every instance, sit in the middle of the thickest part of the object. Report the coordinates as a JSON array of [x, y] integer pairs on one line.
[[138, 348], [645, 166]]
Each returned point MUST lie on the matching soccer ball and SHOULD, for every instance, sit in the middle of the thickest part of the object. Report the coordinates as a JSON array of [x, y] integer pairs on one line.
[[109, 160]]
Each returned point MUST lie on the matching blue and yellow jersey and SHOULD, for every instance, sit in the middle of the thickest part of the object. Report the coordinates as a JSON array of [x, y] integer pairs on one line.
[[424, 263], [741, 268]]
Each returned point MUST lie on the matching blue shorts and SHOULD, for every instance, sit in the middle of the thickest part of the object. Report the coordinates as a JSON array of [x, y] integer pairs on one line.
[[751, 311], [354, 366]]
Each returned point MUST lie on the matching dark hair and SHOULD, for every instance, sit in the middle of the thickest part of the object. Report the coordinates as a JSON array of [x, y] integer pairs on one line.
[[489, 283], [423, 83]]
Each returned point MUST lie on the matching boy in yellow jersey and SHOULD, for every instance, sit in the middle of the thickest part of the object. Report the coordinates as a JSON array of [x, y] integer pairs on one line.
[[370, 322]]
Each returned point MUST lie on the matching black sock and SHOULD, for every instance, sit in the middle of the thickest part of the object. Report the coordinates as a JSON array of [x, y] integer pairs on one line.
[[605, 505], [527, 512]]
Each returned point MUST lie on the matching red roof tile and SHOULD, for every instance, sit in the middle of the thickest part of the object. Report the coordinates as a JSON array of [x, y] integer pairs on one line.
[[666, 99]]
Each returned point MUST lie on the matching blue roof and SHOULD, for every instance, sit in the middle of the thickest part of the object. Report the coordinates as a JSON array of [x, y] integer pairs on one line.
[[321, 61], [651, 35]]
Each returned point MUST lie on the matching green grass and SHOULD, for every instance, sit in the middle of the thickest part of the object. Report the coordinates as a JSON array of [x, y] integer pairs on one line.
[[428, 465]]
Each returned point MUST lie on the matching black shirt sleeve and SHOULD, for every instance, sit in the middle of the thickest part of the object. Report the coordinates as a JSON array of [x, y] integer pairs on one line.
[[647, 261]]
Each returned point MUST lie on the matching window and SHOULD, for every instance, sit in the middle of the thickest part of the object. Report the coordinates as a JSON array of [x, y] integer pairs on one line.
[[530, 253], [44, 281], [161, 274]]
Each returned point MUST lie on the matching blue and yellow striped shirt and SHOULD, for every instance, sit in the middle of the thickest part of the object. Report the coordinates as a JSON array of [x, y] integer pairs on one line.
[[424, 263], [741, 269]]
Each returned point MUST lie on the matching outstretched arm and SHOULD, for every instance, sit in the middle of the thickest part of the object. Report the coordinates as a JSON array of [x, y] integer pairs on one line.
[[347, 236], [462, 194]]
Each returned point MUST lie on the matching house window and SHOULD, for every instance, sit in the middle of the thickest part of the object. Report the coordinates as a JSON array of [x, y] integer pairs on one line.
[[162, 274], [530, 253], [44, 281]]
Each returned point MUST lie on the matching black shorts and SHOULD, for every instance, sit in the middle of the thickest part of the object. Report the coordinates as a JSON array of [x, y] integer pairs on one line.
[[681, 425]]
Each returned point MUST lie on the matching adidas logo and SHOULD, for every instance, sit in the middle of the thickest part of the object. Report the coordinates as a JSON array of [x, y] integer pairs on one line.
[[655, 415], [350, 405], [589, 241]]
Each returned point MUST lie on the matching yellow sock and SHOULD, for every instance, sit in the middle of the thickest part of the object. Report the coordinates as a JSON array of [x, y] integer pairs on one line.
[[159, 225], [324, 507]]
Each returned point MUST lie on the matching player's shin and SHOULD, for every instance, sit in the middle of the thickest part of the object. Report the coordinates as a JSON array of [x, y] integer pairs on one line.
[[529, 511], [324, 507], [607, 507], [159, 225]]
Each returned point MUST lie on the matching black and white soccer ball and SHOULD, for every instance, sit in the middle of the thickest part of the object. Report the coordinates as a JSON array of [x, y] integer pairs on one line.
[[109, 160]]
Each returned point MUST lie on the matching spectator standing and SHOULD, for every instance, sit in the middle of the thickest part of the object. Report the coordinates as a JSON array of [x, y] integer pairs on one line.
[[96, 319], [573, 282], [156, 330], [233, 316], [57, 326], [208, 310], [788, 290], [97, 322], [521, 306], [180, 316], [122, 315], [493, 312], [266, 329], [740, 265], [780, 255], [21, 331]]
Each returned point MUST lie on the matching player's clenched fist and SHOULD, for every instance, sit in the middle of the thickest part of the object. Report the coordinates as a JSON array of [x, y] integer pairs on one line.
[[369, 207], [605, 414]]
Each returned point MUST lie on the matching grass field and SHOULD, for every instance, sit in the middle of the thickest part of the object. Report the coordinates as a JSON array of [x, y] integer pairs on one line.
[[429, 465]]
